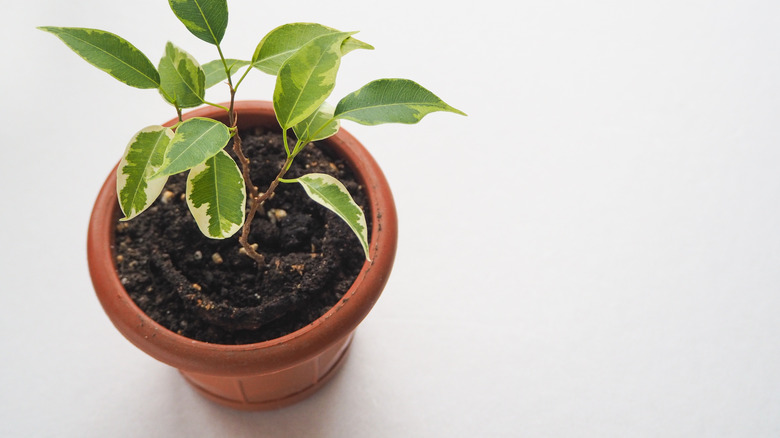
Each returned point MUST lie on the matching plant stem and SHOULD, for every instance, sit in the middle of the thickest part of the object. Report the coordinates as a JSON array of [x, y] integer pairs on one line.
[[216, 105], [246, 72], [284, 140], [244, 165], [296, 150], [257, 199], [245, 171], [257, 202]]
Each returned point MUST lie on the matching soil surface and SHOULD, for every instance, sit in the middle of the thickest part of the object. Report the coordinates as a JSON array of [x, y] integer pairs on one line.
[[207, 290]]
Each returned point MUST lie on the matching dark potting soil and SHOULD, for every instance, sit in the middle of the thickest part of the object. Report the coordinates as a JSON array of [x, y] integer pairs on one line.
[[207, 290]]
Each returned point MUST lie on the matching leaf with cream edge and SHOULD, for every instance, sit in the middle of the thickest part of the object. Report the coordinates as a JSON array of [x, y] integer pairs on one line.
[[279, 44], [196, 140], [110, 53], [182, 80], [206, 19], [216, 196], [143, 155], [331, 193], [318, 126], [307, 78], [215, 70], [390, 101]]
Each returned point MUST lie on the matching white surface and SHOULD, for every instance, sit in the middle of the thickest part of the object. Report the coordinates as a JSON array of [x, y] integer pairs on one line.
[[593, 252]]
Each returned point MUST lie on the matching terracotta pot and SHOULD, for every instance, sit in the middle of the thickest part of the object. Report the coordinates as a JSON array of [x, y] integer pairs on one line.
[[268, 374]]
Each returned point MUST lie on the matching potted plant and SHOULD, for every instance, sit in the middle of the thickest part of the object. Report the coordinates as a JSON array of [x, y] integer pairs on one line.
[[257, 310]]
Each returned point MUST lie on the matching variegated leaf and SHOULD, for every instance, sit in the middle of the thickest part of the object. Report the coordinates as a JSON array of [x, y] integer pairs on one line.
[[182, 80], [319, 125], [195, 141], [330, 193], [279, 44], [206, 19], [143, 155], [390, 101], [216, 196], [307, 78], [215, 70], [110, 53], [351, 44]]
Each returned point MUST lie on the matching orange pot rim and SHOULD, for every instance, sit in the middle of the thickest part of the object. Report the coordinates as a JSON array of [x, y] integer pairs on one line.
[[275, 354]]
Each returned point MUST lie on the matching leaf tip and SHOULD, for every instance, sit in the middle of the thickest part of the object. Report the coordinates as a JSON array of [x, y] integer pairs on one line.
[[457, 111]]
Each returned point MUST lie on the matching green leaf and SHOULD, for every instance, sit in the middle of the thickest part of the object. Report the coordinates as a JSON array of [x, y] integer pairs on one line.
[[390, 101], [318, 126], [307, 78], [206, 19], [330, 193], [351, 44], [182, 80], [110, 53], [215, 70], [144, 154], [279, 44], [195, 141], [216, 196]]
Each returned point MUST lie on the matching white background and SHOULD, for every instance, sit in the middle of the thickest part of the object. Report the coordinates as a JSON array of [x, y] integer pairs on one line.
[[593, 252]]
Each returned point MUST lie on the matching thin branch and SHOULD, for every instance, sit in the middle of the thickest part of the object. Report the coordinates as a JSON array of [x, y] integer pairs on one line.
[[253, 192], [257, 202]]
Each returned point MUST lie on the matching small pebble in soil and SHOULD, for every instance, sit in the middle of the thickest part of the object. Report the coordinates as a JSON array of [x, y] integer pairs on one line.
[[276, 214], [242, 251], [197, 255], [216, 258], [166, 196]]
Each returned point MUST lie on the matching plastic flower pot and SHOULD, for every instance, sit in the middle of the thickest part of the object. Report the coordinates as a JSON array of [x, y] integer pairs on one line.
[[277, 372]]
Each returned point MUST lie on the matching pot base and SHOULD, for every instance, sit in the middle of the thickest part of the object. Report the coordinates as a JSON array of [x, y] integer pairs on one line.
[[271, 391]]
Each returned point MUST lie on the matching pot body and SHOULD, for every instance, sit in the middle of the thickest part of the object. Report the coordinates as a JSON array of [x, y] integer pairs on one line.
[[268, 374]]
